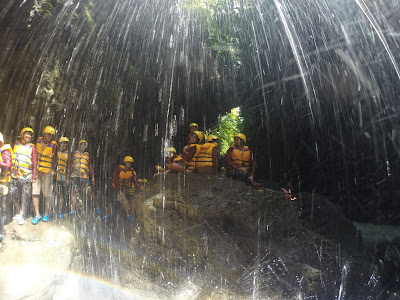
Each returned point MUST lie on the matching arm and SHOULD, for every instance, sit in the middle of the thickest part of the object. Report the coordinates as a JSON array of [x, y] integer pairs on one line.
[[55, 159], [69, 166], [34, 163], [189, 152], [6, 160], [116, 179], [91, 170]]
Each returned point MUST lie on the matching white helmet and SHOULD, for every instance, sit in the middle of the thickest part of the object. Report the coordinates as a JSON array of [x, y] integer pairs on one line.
[[1, 138]]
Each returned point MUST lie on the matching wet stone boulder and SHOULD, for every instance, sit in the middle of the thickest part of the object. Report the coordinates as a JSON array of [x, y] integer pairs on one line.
[[32, 258], [247, 242]]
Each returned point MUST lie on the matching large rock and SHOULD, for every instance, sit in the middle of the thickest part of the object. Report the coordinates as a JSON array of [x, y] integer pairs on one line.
[[32, 258]]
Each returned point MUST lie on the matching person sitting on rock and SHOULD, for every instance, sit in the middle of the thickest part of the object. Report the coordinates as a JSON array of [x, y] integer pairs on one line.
[[192, 128], [240, 161], [125, 183], [206, 160], [5, 177], [23, 173], [174, 162], [79, 174], [64, 161], [191, 150]]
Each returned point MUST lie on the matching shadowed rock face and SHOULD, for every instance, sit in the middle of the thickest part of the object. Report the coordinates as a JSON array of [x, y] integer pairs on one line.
[[194, 237]]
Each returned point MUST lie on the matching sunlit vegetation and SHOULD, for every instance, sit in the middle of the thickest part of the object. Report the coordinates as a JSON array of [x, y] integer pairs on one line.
[[228, 125]]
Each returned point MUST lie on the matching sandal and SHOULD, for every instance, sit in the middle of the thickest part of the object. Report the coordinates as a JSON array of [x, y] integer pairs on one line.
[[36, 220], [60, 215], [45, 218]]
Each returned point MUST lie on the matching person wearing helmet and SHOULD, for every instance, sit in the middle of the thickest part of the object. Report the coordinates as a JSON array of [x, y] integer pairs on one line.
[[64, 162], [174, 162], [192, 128], [5, 177], [23, 174], [240, 162], [46, 150], [126, 183], [191, 151], [80, 174], [206, 160]]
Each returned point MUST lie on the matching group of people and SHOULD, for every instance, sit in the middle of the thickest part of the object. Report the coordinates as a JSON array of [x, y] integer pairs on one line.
[[201, 155], [27, 170]]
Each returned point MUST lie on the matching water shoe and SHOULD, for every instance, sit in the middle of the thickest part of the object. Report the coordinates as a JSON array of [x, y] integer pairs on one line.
[[71, 213], [21, 221], [129, 218], [16, 217], [98, 211], [35, 220], [45, 218], [60, 215]]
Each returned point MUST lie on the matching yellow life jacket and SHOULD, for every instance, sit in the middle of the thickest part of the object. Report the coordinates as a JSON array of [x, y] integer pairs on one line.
[[45, 155], [62, 165], [80, 165], [5, 177], [22, 161], [204, 161], [241, 158], [191, 165]]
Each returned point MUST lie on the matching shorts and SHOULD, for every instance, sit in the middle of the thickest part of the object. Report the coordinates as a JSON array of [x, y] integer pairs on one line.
[[4, 188], [43, 184]]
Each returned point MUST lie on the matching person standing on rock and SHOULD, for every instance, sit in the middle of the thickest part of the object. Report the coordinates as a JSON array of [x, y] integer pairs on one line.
[[23, 174], [191, 151], [80, 175], [46, 150], [207, 158], [126, 183], [240, 161], [64, 162], [5, 177]]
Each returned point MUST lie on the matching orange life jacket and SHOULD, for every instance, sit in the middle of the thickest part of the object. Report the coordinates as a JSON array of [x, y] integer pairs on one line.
[[22, 161], [45, 155], [125, 179], [241, 158], [6, 176], [204, 161]]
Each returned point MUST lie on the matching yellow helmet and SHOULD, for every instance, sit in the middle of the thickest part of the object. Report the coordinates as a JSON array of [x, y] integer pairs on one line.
[[158, 168], [241, 136], [171, 149], [82, 141], [200, 135], [140, 180], [194, 125], [49, 129], [212, 137], [25, 130], [63, 139], [128, 159]]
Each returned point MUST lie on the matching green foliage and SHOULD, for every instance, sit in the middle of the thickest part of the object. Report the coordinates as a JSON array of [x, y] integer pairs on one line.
[[228, 125]]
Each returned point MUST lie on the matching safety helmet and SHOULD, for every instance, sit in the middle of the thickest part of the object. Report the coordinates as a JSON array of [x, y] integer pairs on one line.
[[1, 138], [158, 168], [241, 136], [194, 125], [212, 137], [171, 149], [49, 129], [200, 135], [82, 141], [25, 130], [128, 159], [63, 139]]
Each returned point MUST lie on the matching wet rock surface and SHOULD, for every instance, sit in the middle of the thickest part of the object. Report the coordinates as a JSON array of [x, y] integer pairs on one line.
[[193, 237]]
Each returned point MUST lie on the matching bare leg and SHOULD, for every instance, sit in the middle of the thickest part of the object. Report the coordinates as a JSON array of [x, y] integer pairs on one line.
[[60, 203], [73, 200], [125, 204], [46, 205], [35, 206]]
